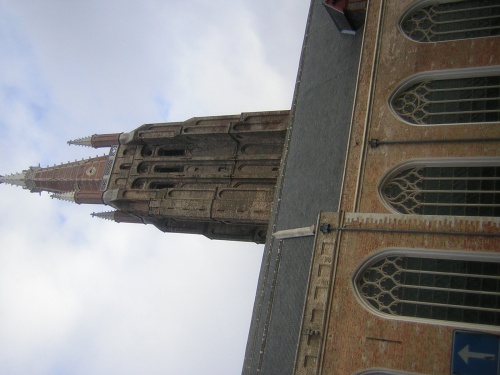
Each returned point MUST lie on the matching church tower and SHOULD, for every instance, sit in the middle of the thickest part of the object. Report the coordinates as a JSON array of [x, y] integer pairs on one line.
[[214, 176]]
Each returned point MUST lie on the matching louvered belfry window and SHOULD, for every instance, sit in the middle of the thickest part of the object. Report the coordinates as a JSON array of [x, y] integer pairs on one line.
[[458, 100], [441, 21], [457, 190], [433, 287]]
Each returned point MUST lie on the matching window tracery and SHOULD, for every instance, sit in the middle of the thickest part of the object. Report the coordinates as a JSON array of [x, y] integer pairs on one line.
[[457, 187], [437, 21], [461, 97], [440, 285]]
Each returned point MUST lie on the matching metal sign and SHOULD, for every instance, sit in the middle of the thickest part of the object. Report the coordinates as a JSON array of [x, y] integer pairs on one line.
[[475, 353]]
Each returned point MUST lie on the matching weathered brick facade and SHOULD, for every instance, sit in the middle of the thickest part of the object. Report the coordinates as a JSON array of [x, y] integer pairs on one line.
[[210, 175], [340, 333]]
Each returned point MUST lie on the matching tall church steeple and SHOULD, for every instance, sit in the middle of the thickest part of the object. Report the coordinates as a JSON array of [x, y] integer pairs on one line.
[[214, 176]]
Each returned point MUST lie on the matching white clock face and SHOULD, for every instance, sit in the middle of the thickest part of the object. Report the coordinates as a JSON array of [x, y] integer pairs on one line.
[[91, 171]]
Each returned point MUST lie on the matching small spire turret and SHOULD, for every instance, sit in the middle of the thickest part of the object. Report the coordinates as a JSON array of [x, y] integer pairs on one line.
[[118, 217], [84, 141], [67, 196], [108, 215], [97, 140]]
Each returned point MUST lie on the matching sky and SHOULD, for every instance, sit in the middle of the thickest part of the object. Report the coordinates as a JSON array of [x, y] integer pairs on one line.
[[82, 295]]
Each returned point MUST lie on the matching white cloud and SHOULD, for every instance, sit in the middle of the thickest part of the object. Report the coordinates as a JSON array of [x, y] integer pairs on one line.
[[87, 296]]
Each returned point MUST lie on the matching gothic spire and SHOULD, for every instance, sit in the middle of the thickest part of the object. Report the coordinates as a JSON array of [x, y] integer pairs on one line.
[[66, 177]]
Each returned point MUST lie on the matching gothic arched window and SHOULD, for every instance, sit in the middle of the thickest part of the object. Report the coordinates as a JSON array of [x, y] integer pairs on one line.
[[458, 187], [437, 21], [440, 285], [454, 97], [139, 184]]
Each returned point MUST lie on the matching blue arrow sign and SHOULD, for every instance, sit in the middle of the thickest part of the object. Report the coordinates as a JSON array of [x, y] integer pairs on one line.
[[475, 353]]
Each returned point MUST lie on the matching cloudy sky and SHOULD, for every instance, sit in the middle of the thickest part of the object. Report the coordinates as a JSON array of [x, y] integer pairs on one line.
[[87, 296]]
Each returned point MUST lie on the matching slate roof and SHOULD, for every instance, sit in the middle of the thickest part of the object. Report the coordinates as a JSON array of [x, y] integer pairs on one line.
[[311, 182]]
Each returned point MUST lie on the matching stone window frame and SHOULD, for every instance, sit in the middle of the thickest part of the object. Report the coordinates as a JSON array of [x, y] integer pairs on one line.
[[422, 4], [436, 75], [422, 253], [430, 162]]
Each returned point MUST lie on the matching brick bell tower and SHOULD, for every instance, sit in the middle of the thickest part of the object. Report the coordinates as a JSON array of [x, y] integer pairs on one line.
[[214, 176]]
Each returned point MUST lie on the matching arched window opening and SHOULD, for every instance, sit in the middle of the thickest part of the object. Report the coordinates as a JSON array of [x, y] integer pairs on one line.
[[439, 99], [139, 184], [438, 285], [433, 21], [176, 152], [457, 188], [164, 169], [160, 185], [125, 166]]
